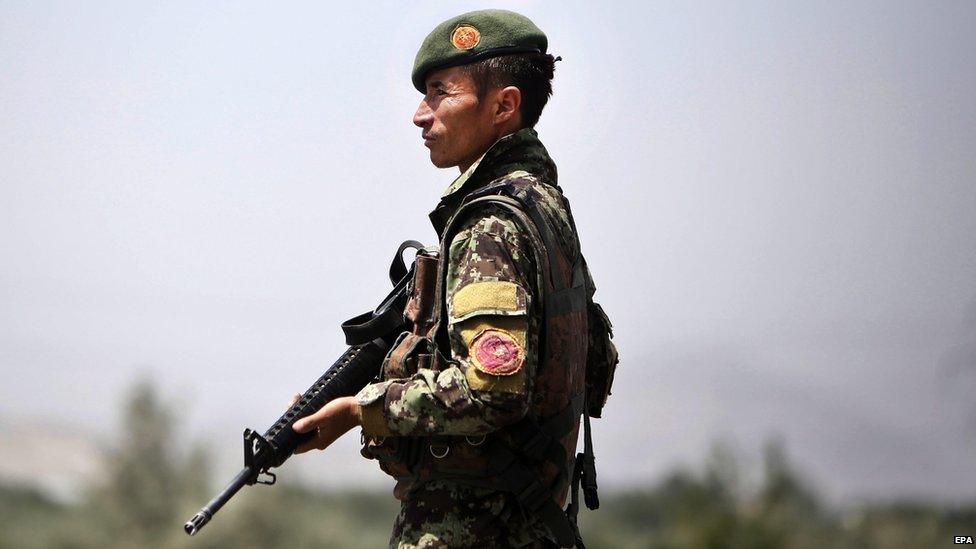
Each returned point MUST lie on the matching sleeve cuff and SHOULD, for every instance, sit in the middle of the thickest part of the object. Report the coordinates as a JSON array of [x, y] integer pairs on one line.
[[371, 400], [373, 420], [371, 393]]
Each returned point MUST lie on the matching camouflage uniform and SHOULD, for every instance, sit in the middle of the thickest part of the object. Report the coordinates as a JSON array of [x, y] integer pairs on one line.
[[469, 398]]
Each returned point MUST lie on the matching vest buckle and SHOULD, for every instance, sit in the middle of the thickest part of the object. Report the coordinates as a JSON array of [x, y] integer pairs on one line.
[[439, 454], [478, 441]]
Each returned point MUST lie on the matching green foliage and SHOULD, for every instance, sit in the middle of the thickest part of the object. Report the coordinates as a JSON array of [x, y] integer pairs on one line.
[[144, 481], [154, 484], [713, 510]]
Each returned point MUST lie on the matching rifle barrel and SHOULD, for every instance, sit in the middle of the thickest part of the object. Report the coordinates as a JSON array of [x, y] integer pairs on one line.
[[196, 523]]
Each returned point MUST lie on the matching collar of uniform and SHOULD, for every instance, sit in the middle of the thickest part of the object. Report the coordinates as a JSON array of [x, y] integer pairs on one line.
[[466, 175], [521, 150]]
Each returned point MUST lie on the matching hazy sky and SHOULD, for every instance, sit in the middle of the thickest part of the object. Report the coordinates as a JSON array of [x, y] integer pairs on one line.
[[776, 199]]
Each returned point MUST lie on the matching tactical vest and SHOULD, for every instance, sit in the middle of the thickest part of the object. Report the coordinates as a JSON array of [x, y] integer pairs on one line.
[[535, 458]]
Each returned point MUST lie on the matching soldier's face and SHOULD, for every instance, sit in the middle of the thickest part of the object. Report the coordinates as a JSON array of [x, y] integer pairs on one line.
[[457, 127]]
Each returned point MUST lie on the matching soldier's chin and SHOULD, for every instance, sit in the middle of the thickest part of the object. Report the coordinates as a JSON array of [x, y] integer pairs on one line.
[[441, 161]]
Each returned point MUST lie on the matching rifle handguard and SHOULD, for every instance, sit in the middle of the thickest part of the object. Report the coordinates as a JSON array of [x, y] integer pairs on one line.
[[370, 335]]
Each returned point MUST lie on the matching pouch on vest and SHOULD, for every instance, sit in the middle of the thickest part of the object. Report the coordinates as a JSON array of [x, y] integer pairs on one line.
[[601, 353], [412, 351]]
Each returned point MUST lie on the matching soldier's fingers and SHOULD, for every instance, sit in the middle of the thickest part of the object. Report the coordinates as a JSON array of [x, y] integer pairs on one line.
[[318, 419], [305, 424], [326, 437], [294, 399], [312, 421], [312, 444]]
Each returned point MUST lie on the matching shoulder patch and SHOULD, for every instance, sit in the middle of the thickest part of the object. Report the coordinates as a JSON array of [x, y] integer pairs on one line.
[[497, 352], [494, 297]]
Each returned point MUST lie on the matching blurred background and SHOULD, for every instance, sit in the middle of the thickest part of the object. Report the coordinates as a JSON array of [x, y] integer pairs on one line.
[[776, 200]]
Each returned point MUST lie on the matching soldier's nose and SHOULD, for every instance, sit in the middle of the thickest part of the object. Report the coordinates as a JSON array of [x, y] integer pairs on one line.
[[423, 115]]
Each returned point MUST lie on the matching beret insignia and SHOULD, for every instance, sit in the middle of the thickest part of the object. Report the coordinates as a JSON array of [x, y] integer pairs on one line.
[[497, 353], [465, 37]]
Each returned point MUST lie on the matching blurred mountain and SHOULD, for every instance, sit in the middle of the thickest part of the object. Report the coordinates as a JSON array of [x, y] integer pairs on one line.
[[57, 459]]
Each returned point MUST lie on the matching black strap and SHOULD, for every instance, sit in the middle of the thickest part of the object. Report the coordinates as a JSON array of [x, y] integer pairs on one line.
[[584, 472], [573, 298], [368, 326], [566, 300], [572, 510], [541, 442], [589, 467], [560, 424], [387, 318], [522, 481], [398, 268]]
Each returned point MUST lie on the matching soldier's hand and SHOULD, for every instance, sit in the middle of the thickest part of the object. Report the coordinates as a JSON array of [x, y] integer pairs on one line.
[[331, 422]]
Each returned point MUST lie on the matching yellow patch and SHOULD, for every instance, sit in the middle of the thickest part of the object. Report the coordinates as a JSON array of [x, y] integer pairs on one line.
[[490, 297], [480, 381], [514, 326], [465, 37]]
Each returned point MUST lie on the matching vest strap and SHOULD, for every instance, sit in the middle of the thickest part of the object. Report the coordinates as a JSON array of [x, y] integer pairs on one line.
[[566, 300], [584, 473], [589, 467], [540, 442], [572, 510], [522, 481]]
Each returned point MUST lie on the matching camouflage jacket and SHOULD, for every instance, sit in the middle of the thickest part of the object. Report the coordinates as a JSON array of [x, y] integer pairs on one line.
[[493, 334]]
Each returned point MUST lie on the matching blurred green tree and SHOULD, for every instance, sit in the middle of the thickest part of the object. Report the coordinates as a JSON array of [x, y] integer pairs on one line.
[[154, 481], [146, 479]]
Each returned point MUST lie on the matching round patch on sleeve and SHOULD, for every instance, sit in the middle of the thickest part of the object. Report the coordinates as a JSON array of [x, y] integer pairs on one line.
[[497, 353]]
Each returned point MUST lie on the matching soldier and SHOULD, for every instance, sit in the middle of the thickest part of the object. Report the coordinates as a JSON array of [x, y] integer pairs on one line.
[[477, 412]]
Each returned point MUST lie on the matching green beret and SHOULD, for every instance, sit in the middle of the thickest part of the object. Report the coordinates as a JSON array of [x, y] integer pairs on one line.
[[474, 36]]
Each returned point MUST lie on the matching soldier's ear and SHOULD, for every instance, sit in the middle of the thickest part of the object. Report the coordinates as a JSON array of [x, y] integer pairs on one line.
[[507, 104]]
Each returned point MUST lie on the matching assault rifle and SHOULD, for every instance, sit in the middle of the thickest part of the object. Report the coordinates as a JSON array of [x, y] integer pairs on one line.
[[370, 336]]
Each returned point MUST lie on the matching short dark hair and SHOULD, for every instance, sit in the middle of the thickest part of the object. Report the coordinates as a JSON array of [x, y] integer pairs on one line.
[[531, 73]]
